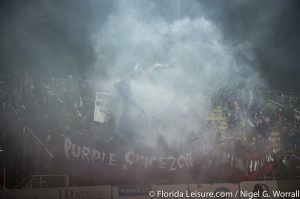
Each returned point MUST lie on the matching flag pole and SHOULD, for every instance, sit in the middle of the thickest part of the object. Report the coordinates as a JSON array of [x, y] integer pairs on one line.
[[4, 181]]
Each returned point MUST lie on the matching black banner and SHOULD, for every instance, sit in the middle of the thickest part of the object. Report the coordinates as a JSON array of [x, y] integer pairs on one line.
[[95, 155]]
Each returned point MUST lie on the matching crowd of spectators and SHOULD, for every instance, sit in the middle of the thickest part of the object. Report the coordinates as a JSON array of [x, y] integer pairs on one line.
[[276, 106], [54, 107], [275, 111]]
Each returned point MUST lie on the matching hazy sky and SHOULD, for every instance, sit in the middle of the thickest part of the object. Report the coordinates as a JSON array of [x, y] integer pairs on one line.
[[77, 36]]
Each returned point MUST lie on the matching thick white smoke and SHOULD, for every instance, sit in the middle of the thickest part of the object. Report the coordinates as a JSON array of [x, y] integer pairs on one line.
[[179, 62]]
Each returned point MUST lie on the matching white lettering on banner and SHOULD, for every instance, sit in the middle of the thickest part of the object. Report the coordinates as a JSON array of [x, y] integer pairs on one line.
[[96, 155], [255, 165], [189, 162], [251, 166], [103, 156], [173, 161], [246, 165], [73, 151], [85, 152], [179, 163], [162, 162], [111, 159], [128, 159], [143, 159], [78, 150]]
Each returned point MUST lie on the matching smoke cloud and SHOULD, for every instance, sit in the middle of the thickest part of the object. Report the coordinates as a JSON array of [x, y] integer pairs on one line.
[[55, 37], [174, 64], [173, 57]]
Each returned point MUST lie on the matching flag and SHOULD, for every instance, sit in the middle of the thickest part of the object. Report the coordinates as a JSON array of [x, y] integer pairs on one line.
[[253, 109], [256, 119], [124, 89]]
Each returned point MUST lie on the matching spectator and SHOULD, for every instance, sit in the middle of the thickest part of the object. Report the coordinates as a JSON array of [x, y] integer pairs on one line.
[[285, 140]]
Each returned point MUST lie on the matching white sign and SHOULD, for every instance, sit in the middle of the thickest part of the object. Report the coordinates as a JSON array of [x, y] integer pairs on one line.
[[131, 191], [102, 107]]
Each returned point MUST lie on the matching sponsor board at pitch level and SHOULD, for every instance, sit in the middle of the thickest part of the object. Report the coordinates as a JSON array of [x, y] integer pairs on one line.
[[93, 192], [131, 191]]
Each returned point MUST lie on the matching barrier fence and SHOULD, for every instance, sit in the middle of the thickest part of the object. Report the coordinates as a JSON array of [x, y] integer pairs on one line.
[[246, 189]]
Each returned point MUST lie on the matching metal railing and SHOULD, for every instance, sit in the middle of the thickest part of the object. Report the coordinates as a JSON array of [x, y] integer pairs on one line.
[[27, 129], [43, 181]]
